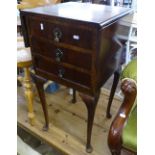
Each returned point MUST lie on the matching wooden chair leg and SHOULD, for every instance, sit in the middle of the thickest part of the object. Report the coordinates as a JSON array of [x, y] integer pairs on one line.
[[74, 96], [91, 103], [112, 92], [29, 94], [39, 81], [19, 83]]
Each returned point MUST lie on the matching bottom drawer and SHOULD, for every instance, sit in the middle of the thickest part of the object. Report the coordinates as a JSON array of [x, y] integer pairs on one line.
[[62, 72]]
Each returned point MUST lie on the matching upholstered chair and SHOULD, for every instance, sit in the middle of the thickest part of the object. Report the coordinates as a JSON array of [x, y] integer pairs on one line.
[[24, 59], [123, 130]]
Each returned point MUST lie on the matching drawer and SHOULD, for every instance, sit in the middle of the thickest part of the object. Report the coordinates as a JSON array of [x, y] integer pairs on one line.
[[62, 72], [62, 33], [59, 54]]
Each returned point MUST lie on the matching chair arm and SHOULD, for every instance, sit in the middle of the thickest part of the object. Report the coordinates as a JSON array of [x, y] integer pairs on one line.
[[129, 89]]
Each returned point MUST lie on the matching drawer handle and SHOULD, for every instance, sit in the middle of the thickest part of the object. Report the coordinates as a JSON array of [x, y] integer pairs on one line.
[[61, 73], [57, 34], [58, 55]]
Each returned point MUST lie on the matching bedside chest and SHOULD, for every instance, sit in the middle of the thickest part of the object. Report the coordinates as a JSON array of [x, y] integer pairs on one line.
[[76, 45]]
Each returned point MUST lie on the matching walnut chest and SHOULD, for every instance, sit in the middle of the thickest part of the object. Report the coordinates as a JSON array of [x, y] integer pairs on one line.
[[74, 44]]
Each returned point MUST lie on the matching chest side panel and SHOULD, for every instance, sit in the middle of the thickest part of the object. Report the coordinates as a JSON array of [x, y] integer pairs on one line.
[[109, 54]]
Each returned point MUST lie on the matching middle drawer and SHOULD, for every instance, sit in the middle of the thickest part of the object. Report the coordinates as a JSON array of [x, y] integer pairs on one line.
[[60, 54], [61, 72]]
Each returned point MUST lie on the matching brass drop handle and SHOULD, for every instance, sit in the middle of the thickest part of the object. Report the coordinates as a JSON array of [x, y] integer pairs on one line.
[[61, 73], [58, 55], [57, 34]]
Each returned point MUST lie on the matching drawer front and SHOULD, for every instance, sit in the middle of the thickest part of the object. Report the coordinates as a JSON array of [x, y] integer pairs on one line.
[[60, 54], [62, 72], [62, 33]]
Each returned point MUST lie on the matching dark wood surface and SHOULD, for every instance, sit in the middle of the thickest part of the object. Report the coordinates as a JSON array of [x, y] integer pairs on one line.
[[114, 138], [113, 89], [83, 12], [75, 44], [91, 103]]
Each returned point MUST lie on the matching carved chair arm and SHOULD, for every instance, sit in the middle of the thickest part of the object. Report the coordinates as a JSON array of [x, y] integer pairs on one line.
[[129, 89]]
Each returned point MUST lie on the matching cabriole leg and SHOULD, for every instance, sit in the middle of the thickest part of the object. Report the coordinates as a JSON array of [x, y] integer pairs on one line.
[[112, 92], [91, 103], [39, 81]]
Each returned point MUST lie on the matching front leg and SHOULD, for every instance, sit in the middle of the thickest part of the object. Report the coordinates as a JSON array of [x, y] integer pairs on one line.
[[91, 103], [39, 81]]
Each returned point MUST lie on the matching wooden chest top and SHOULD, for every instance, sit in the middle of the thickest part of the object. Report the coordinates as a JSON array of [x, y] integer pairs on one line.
[[99, 15]]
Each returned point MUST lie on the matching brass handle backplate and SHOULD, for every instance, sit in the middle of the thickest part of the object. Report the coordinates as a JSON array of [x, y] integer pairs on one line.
[[58, 55], [61, 73], [57, 34]]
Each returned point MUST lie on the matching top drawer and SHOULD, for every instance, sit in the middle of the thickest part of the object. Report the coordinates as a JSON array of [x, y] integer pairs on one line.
[[63, 33]]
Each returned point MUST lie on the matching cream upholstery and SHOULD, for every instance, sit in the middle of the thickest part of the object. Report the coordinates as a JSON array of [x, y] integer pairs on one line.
[[24, 55], [20, 43]]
